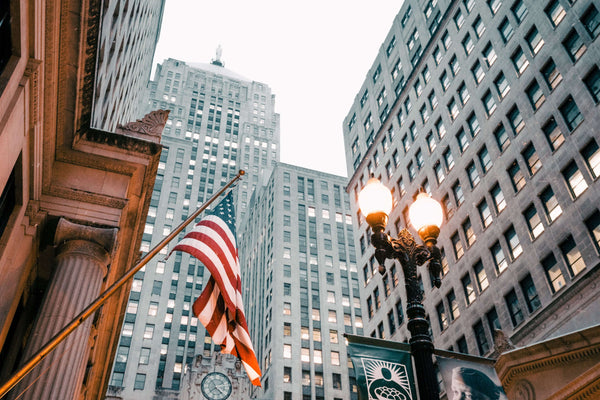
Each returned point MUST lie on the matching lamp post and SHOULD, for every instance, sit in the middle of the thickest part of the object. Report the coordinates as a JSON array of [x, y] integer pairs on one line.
[[425, 214]]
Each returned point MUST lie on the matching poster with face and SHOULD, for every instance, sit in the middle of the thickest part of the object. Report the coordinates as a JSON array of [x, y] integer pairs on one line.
[[470, 378]]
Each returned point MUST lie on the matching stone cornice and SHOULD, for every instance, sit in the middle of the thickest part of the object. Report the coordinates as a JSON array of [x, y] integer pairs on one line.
[[558, 352]]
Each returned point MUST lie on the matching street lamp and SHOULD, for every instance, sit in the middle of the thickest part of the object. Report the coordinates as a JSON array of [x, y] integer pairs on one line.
[[426, 216]]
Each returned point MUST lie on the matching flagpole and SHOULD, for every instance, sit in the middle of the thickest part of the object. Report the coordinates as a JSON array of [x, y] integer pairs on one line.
[[100, 300]]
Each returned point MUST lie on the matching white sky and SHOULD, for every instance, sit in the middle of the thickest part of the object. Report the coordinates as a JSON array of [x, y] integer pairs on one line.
[[313, 54]]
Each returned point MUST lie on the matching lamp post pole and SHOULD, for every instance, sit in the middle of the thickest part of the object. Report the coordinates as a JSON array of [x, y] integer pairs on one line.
[[411, 255]]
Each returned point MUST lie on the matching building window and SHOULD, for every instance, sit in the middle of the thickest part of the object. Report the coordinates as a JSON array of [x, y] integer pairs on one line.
[[439, 172], [461, 138], [477, 71], [553, 134], [441, 314], [453, 303], [494, 5], [8, 196], [431, 142], [593, 225], [551, 206], [482, 280], [454, 65], [591, 20], [513, 242], [473, 174], [459, 19], [502, 85], [516, 120], [448, 159], [514, 308], [468, 289], [555, 12], [501, 138], [572, 256], [506, 30], [467, 44], [498, 256], [493, 320], [571, 113], [140, 382], [574, 178], [463, 94], [117, 377], [498, 196], [461, 345], [335, 358], [574, 45], [516, 176], [535, 95], [531, 159], [392, 322], [458, 193], [532, 299], [336, 381], [519, 11], [488, 103], [480, 338], [519, 61], [535, 40], [534, 222], [473, 123], [457, 246], [592, 82], [551, 74], [484, 213], [445, 81], [591, 155], [553, 273]]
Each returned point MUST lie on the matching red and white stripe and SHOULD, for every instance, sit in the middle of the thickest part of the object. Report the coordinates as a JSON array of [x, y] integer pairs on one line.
[[220, 308]]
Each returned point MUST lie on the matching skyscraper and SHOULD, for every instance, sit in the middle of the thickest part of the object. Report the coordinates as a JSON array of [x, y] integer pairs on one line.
[[300, 283], [219, 122], [492, 108], [123, 64]]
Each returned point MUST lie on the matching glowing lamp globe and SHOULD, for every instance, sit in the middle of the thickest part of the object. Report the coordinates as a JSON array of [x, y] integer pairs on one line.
[[425, 213], [375, 198]]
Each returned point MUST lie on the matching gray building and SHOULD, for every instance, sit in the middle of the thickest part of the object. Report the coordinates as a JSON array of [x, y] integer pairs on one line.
[[492, 107], [127, 41], [300, 283], [219, 122]]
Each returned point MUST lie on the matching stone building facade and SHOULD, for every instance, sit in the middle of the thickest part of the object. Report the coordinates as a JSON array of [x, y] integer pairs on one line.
[[73, 198], [492, 108]]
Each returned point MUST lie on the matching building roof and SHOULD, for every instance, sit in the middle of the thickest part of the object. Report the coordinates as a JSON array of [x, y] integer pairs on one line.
[[216, 69]]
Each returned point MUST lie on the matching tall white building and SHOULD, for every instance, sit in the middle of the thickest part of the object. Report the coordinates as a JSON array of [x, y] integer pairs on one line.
[[492, 108], [219, 122], [300, 284]]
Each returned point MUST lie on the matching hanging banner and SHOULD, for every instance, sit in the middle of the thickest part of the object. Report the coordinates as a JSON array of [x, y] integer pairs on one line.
[[469, 377], [383, 369]]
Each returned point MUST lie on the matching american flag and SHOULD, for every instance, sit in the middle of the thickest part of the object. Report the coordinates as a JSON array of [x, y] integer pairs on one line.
[[219, 308]]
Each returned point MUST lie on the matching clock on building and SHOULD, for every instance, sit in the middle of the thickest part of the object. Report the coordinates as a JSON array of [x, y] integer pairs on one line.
[[216, 386]]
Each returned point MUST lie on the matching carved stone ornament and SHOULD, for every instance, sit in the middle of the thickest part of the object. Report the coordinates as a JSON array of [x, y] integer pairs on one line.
[[152, 124], [502, 343]]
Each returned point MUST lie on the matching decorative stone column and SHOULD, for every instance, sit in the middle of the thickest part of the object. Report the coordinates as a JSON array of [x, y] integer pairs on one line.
[[83, 255]]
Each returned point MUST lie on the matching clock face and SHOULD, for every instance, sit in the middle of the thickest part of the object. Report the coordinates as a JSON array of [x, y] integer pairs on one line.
[[216, 386]]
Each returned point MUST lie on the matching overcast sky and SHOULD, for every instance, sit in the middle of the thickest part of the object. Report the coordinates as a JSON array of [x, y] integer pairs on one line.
[[313, 54]]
